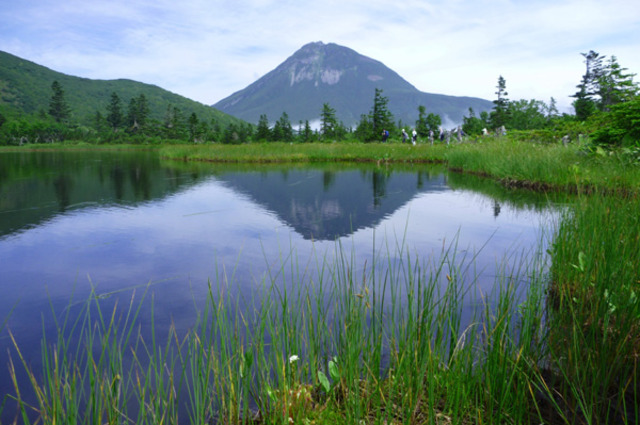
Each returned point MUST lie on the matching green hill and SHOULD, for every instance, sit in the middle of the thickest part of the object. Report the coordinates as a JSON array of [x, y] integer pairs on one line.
[[25, 88]]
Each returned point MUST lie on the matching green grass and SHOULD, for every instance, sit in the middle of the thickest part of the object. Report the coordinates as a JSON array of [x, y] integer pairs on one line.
[[595, 300], [574, 168], [387, 344], [311, 152], [546, 167]]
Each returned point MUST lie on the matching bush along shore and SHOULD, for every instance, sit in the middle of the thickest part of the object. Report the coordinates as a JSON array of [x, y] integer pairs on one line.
[[390, 342]]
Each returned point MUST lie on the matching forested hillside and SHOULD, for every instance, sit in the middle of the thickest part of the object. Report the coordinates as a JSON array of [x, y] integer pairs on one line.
[[25, 88]]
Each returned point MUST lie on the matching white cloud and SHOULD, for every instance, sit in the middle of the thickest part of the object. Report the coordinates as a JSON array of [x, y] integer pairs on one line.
[[206, 50]]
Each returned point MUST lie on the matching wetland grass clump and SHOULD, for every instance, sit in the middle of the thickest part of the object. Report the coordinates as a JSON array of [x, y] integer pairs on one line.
[[395, 341], [547, 167], [305, 152], [594, 310]]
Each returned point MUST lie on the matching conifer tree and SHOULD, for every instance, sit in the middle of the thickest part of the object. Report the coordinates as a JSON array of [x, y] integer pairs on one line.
[[263, 133], [58, 107], [614, 85], [138, 112], [381, 117], [307, 133], [421, 125], [114, 112], [282, 130], [193, 127], [499, 115], [328, 122]]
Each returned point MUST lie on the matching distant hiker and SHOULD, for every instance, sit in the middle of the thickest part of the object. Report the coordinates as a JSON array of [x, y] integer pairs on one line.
[[431, 136], [441, 134], [385, 135], [404, 136], [459, 134], [414, 136]]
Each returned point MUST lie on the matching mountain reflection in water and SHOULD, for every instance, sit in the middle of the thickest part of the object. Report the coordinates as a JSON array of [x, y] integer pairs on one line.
[[324, 205], [111, 223]]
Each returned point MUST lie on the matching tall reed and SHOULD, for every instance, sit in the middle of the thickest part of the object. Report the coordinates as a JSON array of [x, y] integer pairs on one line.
[[595, 315], [394, 340]]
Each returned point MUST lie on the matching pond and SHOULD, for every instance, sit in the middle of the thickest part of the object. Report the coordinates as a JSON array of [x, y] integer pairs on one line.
[[118, 223]]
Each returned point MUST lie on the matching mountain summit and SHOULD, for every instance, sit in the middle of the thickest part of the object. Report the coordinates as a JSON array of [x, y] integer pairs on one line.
[[321, 73]]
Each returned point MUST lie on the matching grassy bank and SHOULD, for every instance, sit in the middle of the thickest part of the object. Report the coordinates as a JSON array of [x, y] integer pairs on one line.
[[571, 168], [548, 167], [594, 304], [311, 152]]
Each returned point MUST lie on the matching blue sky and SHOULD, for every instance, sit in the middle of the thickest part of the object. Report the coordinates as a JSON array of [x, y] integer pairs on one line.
[[207, 50]]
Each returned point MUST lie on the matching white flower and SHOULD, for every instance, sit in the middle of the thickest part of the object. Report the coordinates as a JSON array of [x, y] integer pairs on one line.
[[293, 358]]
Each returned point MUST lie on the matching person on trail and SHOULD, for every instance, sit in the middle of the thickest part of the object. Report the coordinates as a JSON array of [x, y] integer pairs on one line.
[[385, 135], [414, 136], [404, 136]]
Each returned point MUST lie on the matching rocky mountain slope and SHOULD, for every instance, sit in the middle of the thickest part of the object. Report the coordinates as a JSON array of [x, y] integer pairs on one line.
[[321, 73]]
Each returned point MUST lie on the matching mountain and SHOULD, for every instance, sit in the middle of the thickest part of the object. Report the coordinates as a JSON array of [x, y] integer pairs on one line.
[[25, 87], [321, 73]]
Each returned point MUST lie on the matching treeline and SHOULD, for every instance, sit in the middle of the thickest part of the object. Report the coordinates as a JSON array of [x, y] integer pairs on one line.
[[606, 105], [120, 122], [607, 108]]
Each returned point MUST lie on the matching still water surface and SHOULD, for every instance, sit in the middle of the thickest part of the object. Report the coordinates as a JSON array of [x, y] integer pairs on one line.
[[119, 221]]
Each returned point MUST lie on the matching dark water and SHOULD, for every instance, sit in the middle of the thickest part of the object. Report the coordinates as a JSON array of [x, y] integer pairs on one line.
[[125, 220]]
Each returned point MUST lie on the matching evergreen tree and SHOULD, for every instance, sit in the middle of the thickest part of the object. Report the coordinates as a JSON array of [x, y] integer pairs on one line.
[[282, 130], [422, 127], [381, 117], [114, 112], [307, 133], [622, 127], [137, 113], [594, 72], [263, 133], [58, 107], [328, 122], [216, 131], [584, 105], [614, 86], [174, 123], [364, 130], [231, 135], [499, 114], [99, 122], [193, 127]]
